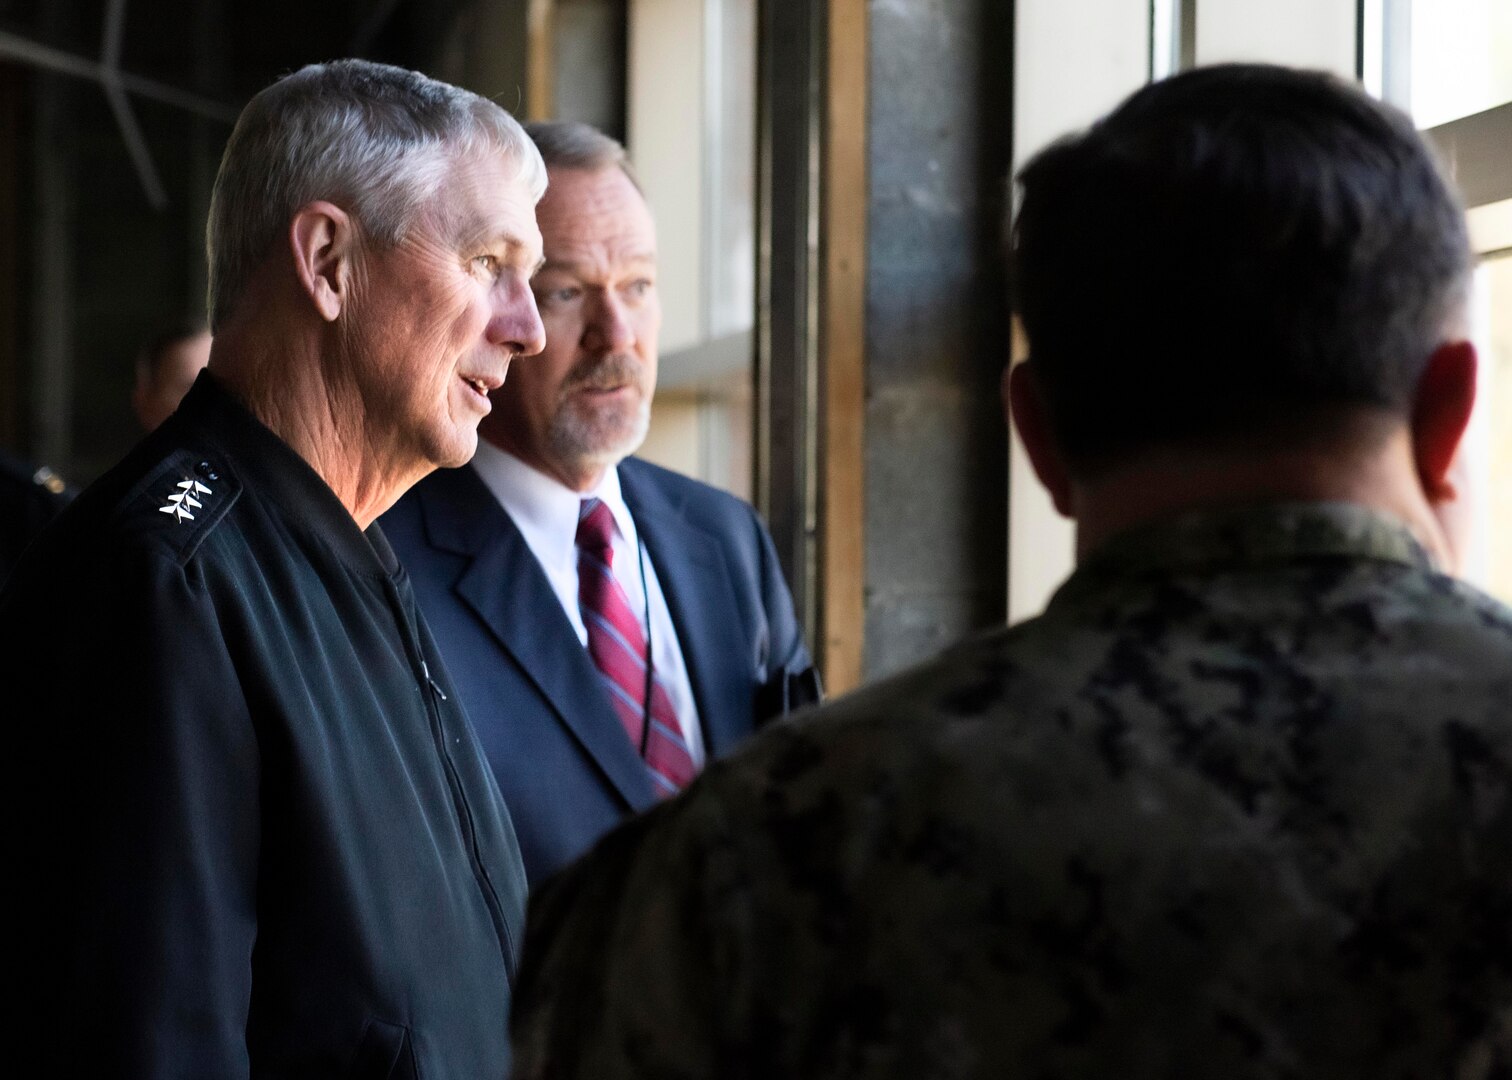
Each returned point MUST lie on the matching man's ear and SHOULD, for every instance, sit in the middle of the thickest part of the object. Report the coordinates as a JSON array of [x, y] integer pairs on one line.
[[1024, 402], [322, 239], [1440, 414]]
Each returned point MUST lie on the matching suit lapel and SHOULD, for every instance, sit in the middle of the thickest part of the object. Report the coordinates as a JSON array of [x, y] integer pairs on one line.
[[691, 569], [506, 588]]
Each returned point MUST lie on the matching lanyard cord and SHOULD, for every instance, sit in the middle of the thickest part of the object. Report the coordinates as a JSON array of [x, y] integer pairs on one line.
[[640, 550]]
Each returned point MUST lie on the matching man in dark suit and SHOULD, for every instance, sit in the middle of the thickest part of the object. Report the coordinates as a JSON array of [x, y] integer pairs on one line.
[[553, 565]]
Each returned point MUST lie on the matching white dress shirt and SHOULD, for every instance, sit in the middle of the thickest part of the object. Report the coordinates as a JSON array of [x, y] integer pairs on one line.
[[546, 513]]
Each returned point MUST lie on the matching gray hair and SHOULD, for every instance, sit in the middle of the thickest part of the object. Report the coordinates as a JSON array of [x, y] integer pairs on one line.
[[374, 139], [568, 144]]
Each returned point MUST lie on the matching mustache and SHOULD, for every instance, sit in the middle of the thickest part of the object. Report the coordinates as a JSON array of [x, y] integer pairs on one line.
[[605, 373]]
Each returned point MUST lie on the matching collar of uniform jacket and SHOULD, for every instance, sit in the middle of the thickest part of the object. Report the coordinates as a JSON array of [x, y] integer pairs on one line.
[[266, 464], [1244, 537]]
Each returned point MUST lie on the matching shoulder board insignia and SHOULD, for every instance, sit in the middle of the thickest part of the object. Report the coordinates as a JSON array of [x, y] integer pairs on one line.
[[182, 502], [179, 502]]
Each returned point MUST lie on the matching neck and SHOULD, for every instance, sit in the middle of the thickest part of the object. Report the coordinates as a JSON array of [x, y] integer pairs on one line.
[[581, 480], [1163, 483], [294, 393], [578, 476]]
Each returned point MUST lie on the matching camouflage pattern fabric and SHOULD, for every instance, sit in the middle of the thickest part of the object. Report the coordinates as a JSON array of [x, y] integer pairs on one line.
[[1239, 804]]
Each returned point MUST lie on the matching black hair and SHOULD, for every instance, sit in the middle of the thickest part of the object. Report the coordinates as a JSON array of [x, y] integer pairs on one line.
[[1229, 251]]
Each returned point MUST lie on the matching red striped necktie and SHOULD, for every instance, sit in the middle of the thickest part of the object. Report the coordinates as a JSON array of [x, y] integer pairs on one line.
[[619, 650]]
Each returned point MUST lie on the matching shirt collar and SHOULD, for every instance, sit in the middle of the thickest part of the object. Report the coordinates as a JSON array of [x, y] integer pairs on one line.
[[211, 413], [1245, 537], [542, 506]]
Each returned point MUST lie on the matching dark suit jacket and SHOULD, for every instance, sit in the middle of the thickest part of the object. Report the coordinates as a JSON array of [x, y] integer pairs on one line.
[[567, 771]]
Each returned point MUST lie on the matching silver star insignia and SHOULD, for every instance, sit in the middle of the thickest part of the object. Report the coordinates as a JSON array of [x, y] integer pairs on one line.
[[183, 500]]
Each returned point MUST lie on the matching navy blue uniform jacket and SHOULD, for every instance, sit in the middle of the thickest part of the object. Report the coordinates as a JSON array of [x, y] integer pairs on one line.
[[563, 762], [258, 838]]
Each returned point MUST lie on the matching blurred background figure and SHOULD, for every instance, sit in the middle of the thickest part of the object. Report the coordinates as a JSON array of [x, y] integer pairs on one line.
[[30, 497], [165, 370]]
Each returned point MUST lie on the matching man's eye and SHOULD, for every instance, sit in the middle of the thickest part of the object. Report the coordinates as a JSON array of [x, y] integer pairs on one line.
[[487, 263], [564, 295], [640, 287]]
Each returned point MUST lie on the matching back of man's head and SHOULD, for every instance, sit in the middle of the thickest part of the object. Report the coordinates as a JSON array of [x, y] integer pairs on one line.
[[571, 144], [1239, 250], [373, 139]]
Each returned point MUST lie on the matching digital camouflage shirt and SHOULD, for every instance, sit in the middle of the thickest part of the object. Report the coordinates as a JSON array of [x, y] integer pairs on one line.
[[1239, 804]]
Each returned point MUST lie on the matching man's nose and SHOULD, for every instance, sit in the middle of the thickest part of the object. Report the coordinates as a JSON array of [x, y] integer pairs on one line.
[[609, 327], [516, 323]]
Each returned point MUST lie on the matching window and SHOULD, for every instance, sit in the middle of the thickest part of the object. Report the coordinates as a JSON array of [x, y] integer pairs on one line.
[[1490, 440], [1460, 58]]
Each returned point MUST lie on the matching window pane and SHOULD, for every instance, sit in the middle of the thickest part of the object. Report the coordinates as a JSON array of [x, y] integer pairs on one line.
[[1490, 439], [1461, 58]]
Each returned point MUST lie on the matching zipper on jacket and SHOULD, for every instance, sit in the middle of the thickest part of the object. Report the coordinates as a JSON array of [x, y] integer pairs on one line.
[[434, 685], [434, 695]]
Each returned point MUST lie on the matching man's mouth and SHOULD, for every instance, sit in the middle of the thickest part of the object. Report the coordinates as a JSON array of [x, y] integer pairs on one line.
[[484, 383]]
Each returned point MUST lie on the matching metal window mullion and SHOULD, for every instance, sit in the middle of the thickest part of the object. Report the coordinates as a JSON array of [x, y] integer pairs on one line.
[[791, 39]]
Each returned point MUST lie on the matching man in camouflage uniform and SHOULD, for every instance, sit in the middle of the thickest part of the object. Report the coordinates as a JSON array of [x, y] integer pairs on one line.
[[1239, 803]]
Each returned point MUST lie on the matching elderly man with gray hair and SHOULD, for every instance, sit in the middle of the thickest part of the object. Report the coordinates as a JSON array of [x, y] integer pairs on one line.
[[270, 844]]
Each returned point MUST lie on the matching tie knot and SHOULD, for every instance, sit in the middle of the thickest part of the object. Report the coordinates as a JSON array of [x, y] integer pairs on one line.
[[595, 530]]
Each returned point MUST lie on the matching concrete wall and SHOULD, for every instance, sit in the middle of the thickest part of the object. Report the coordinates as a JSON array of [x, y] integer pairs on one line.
[[937, 325]]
